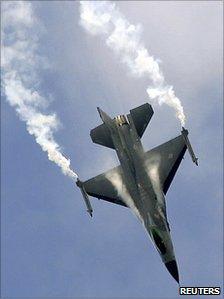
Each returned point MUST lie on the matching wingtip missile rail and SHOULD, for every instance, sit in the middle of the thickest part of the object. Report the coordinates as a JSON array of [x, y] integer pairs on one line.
[[85, 197], [184, 133]]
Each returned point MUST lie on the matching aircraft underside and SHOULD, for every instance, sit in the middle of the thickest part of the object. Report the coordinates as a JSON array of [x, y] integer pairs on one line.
[[142, 179]]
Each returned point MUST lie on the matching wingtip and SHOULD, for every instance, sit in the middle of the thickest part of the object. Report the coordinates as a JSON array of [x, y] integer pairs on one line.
[[79, 183], [184, 131]]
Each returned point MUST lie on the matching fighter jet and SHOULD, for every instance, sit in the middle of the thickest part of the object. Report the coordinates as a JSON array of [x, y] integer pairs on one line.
[[142, 179]]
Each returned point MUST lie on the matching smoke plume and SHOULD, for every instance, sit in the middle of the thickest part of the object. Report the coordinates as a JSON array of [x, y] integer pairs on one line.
[[104, 18], [20, 66]]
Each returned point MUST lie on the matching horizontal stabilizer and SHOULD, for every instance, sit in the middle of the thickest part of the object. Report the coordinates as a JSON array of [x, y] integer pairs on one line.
[[101, 135], [105, 117], [141, 117]]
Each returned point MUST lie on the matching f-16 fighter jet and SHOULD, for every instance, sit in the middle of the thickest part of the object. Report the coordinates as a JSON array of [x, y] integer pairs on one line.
[[142, 179]]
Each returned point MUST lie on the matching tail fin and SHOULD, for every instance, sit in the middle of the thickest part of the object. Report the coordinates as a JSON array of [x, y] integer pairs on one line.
[[101, 134], [141, 117], [105, 117]]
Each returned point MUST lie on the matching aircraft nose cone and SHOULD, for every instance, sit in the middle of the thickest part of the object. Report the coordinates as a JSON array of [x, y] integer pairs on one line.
[[172, 268]]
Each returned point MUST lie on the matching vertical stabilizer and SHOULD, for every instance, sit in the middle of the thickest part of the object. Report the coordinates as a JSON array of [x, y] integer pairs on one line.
[[105, 118], [101, 134]]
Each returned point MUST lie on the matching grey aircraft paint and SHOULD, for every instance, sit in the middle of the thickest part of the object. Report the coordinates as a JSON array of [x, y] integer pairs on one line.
[[142, 178]]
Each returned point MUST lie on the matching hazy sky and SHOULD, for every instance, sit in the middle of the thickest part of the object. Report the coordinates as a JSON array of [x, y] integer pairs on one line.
[[50, 246]]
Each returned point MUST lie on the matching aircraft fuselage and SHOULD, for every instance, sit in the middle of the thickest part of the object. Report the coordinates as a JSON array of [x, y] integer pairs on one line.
[[150, 206]]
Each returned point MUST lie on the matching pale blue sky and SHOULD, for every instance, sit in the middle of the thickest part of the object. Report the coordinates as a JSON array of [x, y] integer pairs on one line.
[[50, 246]]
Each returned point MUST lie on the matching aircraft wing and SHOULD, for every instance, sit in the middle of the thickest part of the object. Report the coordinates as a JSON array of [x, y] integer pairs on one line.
[[103, 186], [167, 157]]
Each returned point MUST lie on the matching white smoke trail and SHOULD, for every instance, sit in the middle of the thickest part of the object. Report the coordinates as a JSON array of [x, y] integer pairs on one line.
[[20, 65], [104, 18]]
